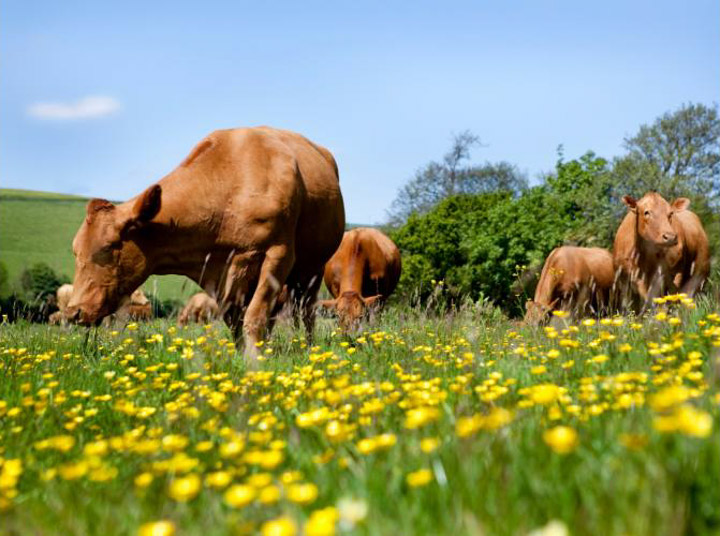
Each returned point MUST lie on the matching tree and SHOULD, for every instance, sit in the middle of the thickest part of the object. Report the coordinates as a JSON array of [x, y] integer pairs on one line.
[[480, 244], [684, 146], [439, 180], [39, 281], [432, 244]]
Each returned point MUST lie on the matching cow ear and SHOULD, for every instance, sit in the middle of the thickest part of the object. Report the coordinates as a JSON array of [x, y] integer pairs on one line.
[[680, 204], [147, 204], [97, 205], [630, 201], [372, 300]]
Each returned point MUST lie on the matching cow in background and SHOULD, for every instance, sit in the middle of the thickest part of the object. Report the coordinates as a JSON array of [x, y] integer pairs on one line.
[[361, 274], [200, 308], [135, 307], [574, 279], [660, 248]]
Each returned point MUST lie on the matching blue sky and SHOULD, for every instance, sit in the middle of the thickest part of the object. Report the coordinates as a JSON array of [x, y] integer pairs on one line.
[[103, 98]]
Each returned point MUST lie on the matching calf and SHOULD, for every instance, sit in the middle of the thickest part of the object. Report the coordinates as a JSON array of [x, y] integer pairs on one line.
[[575, 279]]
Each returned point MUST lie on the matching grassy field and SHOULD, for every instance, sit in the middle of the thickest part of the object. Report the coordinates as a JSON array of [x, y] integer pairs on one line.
[[458, 423]]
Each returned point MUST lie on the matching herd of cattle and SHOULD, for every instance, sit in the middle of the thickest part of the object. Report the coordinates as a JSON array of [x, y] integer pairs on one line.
[[255, 217]]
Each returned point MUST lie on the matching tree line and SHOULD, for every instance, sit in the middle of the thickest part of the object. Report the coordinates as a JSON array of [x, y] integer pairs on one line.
[[484, 232]]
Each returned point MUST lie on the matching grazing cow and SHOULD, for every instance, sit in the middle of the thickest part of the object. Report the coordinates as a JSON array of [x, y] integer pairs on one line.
[[574, 279], [136, 307], [247, 211], [363, 271], [200, 308], [660, 247]]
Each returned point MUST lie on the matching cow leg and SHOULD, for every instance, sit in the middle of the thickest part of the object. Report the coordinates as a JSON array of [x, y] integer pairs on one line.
[[307, 308], [240, 282], [233, 316], [275, 269], [692, 285]]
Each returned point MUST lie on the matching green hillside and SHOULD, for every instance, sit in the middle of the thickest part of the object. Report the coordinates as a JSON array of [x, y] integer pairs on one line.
[[39, 227]]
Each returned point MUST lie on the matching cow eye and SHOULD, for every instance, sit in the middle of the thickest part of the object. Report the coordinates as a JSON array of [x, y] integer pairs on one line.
[[647, 213], [104, 255]]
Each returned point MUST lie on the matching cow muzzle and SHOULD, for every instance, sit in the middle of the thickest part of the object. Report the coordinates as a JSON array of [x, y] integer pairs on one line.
[[77, 315], [669, 239]]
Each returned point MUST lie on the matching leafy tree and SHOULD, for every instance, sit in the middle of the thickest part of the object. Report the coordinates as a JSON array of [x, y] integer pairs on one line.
[[439, 180], [684, 146], [432, 244], [39, 281], [479, 244], [594, 208]]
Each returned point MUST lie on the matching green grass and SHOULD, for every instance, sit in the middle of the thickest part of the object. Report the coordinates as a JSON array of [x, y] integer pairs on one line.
[[132, 399], [39, 227]]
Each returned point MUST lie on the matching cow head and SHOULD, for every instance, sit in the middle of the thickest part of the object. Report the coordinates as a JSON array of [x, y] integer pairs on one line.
[[536, 313], [655, 217], [351, 308], [109, 265]]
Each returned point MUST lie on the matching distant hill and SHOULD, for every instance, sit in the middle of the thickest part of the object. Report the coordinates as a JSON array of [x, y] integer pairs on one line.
[[39, 227]]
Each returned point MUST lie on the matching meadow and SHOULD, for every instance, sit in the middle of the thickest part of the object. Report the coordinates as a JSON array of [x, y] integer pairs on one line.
[[427, 422]]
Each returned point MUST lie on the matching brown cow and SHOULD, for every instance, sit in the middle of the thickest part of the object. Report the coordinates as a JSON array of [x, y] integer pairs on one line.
[[200, 308], [660, 247], [363, 271], [247, 211], [573, 279]]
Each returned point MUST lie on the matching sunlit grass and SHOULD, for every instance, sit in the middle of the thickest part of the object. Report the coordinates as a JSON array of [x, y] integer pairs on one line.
[[423, 424]]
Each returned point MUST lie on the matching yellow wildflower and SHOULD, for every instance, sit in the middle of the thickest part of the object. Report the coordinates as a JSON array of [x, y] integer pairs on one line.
[[562, 439], [419, 478]]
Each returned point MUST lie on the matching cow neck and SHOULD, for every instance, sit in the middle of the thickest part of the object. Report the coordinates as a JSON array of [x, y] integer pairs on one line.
[[177, 241], [352, 278]]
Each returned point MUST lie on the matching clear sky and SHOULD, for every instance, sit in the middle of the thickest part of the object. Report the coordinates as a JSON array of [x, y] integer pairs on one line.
[[103, 98]]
